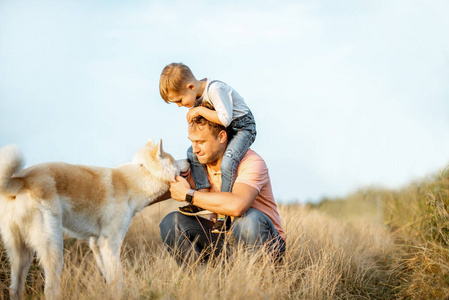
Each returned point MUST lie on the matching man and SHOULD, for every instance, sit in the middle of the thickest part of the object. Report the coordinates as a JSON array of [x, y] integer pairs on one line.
[[251, 202]]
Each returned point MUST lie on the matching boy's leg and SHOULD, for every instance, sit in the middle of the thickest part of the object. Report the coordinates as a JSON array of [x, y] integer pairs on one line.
[[189, 239], [198, 170], [236, 149], [255, 229], [199, 175], [234, 153]]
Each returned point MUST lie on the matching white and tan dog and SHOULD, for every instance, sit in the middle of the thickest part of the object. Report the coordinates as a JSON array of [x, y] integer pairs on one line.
[[90, 203]]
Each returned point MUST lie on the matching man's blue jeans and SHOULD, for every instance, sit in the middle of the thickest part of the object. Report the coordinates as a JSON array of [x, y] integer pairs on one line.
[[190, 238]]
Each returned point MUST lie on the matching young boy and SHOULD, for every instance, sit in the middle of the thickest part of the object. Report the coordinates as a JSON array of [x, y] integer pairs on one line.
[[219, 103]]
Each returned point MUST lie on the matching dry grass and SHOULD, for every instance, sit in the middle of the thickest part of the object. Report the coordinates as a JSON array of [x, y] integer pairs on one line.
[[373, 244], [326, 258], [418, 217]]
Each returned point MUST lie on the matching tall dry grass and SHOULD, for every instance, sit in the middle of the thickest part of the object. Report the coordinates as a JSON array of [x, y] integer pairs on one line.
[[326, 258], [418, 217], [373, 244]]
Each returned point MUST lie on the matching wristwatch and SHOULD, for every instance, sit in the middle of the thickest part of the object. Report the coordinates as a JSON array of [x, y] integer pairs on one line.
[[189, 196]]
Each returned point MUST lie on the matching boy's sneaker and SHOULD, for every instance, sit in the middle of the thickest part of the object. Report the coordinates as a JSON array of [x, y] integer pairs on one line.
[[192, 210], [222, 225]]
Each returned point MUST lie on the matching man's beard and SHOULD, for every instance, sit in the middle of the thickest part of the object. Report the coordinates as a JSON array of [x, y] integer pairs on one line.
[[208, 159]]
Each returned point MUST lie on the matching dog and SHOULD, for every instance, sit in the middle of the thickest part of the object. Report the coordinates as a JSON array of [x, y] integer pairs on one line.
[[90, 203]]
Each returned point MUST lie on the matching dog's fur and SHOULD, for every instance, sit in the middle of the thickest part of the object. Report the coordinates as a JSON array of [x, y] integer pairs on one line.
[[90, 203]]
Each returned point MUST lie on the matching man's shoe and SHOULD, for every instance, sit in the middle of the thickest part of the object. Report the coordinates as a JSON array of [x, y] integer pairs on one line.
[[222, 225], [192, 210]]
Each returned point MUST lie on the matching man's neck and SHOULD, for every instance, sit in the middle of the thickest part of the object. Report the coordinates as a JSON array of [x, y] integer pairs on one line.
[[216, 166]]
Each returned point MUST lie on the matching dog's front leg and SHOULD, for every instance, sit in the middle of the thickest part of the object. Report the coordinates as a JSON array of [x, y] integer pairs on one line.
[[110, 256]]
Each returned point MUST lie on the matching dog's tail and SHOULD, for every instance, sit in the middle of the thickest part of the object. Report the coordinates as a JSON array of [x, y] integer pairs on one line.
[[11, 162]]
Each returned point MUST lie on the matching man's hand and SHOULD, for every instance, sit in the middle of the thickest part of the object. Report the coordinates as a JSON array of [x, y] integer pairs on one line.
[[193, 113], [179, 188]]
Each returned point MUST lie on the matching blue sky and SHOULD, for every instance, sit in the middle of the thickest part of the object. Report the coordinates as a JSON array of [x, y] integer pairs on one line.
[[345, 94]]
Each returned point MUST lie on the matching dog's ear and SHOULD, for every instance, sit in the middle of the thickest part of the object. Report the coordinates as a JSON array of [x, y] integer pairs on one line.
[[157, 152], [161, 152], [150, 143]]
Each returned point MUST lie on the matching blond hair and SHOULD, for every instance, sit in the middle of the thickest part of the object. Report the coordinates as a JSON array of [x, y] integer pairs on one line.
[[173, 79]]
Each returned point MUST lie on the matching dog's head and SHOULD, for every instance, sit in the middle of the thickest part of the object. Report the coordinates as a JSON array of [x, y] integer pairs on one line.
[[159, 163]]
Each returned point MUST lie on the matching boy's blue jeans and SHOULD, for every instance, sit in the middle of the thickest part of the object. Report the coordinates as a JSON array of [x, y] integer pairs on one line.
[[189, 238], [244, 134]]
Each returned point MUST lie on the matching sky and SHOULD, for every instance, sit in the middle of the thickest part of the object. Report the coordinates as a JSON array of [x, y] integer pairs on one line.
[[346, 94]]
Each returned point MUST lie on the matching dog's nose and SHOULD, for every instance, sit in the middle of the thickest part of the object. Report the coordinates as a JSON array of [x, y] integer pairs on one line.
[[182, 165]]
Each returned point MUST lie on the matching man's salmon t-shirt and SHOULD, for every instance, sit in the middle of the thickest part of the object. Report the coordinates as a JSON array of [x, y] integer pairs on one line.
[[252, 171]]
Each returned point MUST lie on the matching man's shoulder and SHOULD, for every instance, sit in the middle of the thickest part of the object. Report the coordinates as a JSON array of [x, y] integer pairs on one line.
[[250, 153], [252, 170], [251, 158]]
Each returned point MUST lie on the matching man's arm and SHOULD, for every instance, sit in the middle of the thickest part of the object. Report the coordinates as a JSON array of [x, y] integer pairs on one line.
[[234, 203]]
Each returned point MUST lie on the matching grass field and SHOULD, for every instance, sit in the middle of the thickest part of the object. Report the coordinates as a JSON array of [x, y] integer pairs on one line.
[[374, 244]]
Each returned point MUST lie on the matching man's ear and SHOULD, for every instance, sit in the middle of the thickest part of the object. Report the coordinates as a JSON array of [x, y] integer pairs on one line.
[[223, 136]]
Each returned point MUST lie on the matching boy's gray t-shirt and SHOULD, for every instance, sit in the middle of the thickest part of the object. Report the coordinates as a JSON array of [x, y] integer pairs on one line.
[[228, 104]]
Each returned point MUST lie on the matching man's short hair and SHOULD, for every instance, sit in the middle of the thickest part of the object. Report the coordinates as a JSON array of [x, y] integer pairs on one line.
[[173, 79], [215, 128]]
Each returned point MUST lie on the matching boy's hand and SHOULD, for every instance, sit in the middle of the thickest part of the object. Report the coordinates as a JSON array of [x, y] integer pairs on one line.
[[193, 113], [206, 113]]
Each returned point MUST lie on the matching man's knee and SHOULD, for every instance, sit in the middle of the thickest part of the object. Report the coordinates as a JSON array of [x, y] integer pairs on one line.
[[248, 228], [169, 225]]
